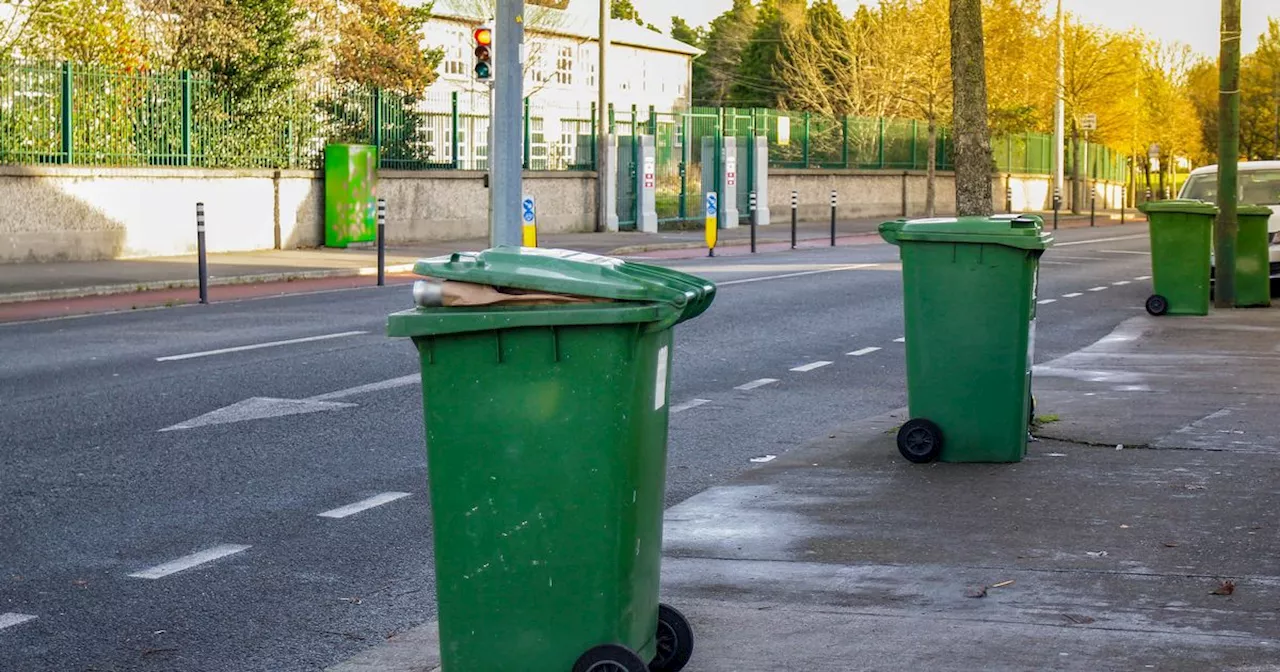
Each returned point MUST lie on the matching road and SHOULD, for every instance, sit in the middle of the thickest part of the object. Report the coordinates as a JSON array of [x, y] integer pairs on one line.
[[295, 540]]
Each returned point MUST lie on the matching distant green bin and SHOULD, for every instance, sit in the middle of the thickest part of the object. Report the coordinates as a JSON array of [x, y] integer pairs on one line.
[[546, 431], [1181, 233], [1253, 261], [350, 194], [969, 299]]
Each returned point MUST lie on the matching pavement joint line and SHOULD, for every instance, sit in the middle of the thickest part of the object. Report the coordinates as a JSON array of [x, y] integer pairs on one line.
[[743, 281], [863, 351], [689, 405], [1043, 302], [805, 368], [259, 346], [363, 505], [759, 382], [1121, 283], [1072, 295], [1098, 289], [1100, 240], [10, 619], [1143, 277], [189, 561]]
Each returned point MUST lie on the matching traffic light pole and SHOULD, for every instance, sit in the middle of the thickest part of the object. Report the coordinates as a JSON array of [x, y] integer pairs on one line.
[[505, 134]]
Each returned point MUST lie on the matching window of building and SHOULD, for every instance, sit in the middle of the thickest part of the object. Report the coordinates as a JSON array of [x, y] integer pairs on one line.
[[587, 55], [456, 51], [564, 66]]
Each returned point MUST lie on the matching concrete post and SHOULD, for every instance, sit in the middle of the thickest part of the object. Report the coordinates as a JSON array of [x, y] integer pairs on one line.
[[760, 176], [647, 185]]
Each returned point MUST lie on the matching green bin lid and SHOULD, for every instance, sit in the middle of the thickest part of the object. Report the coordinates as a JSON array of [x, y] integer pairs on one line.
[[639, 292], [1024, 232], [1254, 210], [1185, 206]]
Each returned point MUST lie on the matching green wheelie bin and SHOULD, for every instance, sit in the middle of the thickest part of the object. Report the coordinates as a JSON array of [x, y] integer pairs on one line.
[[546, 433], [969, 298], [1253, 261], [1181, 233]]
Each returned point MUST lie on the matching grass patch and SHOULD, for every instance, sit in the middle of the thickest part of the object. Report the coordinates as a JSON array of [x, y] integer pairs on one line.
[[1046, 419]]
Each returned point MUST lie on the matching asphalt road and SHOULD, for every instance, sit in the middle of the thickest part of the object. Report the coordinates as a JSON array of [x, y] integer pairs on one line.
[[202, 548]]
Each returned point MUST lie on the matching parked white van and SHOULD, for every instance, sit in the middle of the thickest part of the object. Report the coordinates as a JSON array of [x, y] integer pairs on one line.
[[1259, 185]]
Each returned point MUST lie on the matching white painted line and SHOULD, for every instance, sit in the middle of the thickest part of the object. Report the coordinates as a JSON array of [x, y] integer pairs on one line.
[[1145, 254], [1098, 289], [10, 619], [1072, 295], [1100, 240], [743, 281], [258, 346], [810, 366], [756, 383], [189, 561], [402, 381], [1080, 258], [1120, 283], [363, 505], [1143, 277], [764, 458], [1043, 302], [692, 403], [859, 353], [900, 339], [1059, 263]]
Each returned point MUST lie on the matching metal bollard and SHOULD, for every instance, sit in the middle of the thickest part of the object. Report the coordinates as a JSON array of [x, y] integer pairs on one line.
[[1124, 197], [795, 204], [1008, 194], [833, 218], [202, 254], [1093, 196], [382, 242], [752, 215], [1057, 203]]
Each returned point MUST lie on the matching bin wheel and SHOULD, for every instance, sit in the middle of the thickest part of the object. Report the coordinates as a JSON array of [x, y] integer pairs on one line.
[[1157, 305], [675, 641], [609, 658], [1031, 414], [920, 441]]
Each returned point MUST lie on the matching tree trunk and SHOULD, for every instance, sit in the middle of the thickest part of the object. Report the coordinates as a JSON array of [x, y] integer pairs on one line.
[[971, 137], [1077, 193], [931, 168]]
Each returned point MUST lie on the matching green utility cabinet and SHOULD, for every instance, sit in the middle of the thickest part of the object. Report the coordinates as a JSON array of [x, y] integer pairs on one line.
[[546, 432], [969, 299], [1253, 260], [1181, 233], [350, 194]]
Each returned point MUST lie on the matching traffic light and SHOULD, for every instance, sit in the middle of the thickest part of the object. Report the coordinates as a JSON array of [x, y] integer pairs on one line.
[[483, 36]]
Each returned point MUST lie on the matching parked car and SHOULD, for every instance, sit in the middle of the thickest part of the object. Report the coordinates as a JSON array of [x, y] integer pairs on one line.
[[1259, 184]]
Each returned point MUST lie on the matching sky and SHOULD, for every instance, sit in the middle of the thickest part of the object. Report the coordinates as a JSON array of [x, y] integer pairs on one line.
[[1194, 22]]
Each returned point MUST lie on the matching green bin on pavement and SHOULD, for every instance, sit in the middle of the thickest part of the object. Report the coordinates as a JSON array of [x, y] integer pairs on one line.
[[546, 432], [969, 298], [1253, 261], [350, 200], [1181, 243]]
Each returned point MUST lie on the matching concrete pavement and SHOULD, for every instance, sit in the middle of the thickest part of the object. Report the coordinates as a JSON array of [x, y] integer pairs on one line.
[[1140, 533]]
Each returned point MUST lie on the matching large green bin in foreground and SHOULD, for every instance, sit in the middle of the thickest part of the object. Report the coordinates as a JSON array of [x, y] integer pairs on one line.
[[350, 194], [1253, 261], [546, 431], [969, 298], [1181, 233]]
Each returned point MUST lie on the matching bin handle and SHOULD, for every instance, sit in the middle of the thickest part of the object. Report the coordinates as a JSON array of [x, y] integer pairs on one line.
[[471, 258]]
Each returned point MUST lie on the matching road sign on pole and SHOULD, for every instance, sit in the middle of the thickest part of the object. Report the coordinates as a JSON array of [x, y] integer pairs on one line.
[[1089, 122], [529, 222], [712, 208]]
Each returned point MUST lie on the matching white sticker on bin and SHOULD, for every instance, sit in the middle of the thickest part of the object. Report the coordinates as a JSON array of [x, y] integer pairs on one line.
[[660, 386]]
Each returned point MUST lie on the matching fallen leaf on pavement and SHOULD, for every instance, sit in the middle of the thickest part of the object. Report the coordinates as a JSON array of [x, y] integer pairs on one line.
[[1224, 588], [1171, 544], [1078, 619], [976, 592], [1096, 554]]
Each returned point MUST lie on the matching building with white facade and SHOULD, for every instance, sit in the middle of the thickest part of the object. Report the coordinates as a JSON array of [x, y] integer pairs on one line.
[[645, 69]]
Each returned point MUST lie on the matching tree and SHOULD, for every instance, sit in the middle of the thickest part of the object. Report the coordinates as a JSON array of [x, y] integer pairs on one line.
[[971, 136], [681, 30], [756, 82], [1260, 97], [624, 10], [95, 32], [821, 70], [380, 45], [715, 72], [1017, 42]]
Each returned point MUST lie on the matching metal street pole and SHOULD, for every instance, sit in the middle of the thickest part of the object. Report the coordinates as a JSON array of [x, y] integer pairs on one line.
[[505, 136], [1059, 113], [603, 155], [1228, 155]]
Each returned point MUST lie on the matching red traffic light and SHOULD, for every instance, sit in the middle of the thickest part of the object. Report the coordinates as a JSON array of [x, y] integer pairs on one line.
[[483, 36]]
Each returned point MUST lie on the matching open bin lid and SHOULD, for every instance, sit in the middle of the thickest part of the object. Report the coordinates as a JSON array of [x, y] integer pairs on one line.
[[636, 292], [1024, 232], [1182, 206]]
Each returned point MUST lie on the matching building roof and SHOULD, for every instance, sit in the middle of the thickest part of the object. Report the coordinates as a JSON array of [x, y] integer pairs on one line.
[[580, 20]]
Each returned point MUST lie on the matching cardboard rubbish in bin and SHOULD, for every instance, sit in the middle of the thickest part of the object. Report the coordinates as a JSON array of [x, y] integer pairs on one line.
[[455, 294]]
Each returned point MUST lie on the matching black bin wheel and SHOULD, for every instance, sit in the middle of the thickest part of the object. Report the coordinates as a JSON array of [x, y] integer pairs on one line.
[[1031, 414], [609, 658], [920, 441], [675, 641], [1157, 305]]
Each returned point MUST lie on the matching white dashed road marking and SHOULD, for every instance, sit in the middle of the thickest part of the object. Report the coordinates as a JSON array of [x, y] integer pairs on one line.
[[10, 619], [1146, 254], [189, 561], [363, 505], [1097, 289], [756, 383], [1100, 240], [1072, 295], [810, 366], [258, 346], [901, 339], [864, 351], [1143, 277], [1045, 301], [692, 403], [743, 281], [1120, 283]]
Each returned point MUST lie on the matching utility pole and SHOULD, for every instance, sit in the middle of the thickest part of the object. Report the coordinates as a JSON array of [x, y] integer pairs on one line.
[[603, 155], [1059, 155], [1228, 154], [506, 140]]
